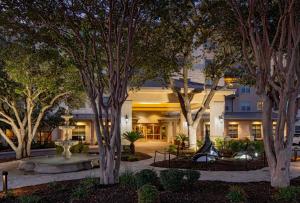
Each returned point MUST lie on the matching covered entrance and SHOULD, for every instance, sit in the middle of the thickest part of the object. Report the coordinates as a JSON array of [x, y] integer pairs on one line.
[[152, 131]]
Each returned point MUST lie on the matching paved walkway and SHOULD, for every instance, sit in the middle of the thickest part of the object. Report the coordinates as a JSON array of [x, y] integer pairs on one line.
[[18, 178]]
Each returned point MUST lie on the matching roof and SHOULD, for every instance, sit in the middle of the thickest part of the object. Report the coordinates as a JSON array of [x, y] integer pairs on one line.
[[245, 116], [177, 82]]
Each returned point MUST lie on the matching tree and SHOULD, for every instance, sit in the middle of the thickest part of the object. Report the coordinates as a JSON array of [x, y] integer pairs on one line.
[[36, 81], [106, 41], [132, 137], [270, 33]]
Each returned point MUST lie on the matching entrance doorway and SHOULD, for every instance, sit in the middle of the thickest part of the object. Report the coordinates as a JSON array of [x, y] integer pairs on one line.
[[152, 131]]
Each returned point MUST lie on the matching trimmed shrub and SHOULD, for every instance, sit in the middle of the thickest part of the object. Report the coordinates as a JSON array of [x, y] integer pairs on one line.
[[29, 199], [132, 158], [191, 176], [219, 143], [288, 194], [172, 149], [172, 179], [80, 148], [146, 176], [127, 179], [236, 194], [148, 194]]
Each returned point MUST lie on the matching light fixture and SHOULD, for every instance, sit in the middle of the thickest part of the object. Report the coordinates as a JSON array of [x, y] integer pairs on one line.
[[126, 118], [4, 181]]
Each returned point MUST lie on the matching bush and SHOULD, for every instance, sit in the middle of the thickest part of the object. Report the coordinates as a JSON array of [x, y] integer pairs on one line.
[[236, 194], [127, 179], [219, 143], [200, 143], [192, 176], [146, 176], [29, 199], [59, 149], [80, 148], [172, 149], [172, 179], [288, 194], [84, 188], [132, 158], [148, 194]]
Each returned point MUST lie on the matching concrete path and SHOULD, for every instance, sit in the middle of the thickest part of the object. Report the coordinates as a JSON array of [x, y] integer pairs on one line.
[[34, 152], [18, 178]]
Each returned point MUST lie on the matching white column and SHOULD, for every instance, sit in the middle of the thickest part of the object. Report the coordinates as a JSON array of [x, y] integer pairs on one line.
[[170, 132], [217, 108], [126, 120]]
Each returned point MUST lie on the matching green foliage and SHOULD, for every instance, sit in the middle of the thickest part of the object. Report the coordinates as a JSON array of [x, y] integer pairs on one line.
[[84, 188], [146, 176], [288, 194], [191, 176], [128, 180], [132, 158], [30, 199], [200, 143], [148, 194], [172, 149], [59, 150], [172, 179], [132, 136], [80, 148], [219, 143], [181, 137], [236, 194]]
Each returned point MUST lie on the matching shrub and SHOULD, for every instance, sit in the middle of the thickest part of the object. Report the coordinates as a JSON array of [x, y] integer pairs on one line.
[[132, 158], [148, 194], [288, 194], [192, 176], [146, 176], [172, 179], [219, 143], [127, 179], [59, 149], [132, 137], [84, 188], [236, 194], [80, 148], [172, 149], [200, 143], [181, 139], [29, 199]]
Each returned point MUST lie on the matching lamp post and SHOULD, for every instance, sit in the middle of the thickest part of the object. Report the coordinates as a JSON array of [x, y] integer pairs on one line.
[[4, 181]]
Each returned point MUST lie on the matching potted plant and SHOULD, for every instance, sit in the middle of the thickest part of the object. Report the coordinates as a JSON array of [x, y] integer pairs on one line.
[[132, 137]]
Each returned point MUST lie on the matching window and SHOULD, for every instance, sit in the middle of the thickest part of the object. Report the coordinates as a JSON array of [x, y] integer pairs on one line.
[[259, 105], [233, 130], [297, 131], [226, 108], [79, 133], [256, 131], [245, 106], [245, 90]]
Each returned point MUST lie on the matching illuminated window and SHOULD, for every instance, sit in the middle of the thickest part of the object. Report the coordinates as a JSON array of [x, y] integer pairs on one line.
[[245, 90], [233, 130], [256, 131], [79, 133]]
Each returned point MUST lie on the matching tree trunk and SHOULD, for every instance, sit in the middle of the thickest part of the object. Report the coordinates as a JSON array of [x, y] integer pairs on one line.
[[19, 152], [28, 147], [192, 137], [280, 174], [132, 148]]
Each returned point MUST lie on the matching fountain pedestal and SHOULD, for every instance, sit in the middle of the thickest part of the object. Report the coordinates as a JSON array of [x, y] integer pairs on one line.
[[66, 145]]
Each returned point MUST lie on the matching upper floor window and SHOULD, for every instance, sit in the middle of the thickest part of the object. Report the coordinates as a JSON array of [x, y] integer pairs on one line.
[[245, 90], [297, 131], [259, 105], [245, 106]]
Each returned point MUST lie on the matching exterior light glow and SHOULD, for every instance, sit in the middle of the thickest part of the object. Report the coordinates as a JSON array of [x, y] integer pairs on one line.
[[126, 118]]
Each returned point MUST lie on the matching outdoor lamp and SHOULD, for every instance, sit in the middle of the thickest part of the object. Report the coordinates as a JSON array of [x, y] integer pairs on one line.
[[126, 118], [4, 181]]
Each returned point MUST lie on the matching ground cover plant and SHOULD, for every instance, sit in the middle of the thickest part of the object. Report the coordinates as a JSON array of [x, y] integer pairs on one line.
[[202, 191]]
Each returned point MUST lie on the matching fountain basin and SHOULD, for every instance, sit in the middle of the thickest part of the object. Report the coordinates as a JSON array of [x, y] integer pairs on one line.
[[59, 164]]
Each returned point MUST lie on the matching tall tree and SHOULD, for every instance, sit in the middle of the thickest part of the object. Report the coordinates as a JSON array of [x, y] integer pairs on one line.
[[36, 81], [106, 40], [270, 32]]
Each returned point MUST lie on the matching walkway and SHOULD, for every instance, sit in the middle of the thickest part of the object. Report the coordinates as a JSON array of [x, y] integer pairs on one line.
[[18, 178]]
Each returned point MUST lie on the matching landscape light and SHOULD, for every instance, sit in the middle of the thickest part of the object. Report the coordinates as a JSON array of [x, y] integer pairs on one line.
[[4, 181]]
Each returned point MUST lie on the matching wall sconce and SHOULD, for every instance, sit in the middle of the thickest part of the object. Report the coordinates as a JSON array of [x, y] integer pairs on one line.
[[221, 117], [126, 118]]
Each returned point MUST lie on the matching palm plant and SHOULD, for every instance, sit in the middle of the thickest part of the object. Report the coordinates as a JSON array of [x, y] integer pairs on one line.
[[132, 137], [181, 138]]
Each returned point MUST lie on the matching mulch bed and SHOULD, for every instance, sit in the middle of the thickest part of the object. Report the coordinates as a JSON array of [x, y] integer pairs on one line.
[[138, 156], [202, 191], [219, 165]]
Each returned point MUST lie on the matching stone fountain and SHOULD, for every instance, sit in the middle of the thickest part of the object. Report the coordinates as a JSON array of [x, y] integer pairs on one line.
[[66, 142], [61, 163]]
